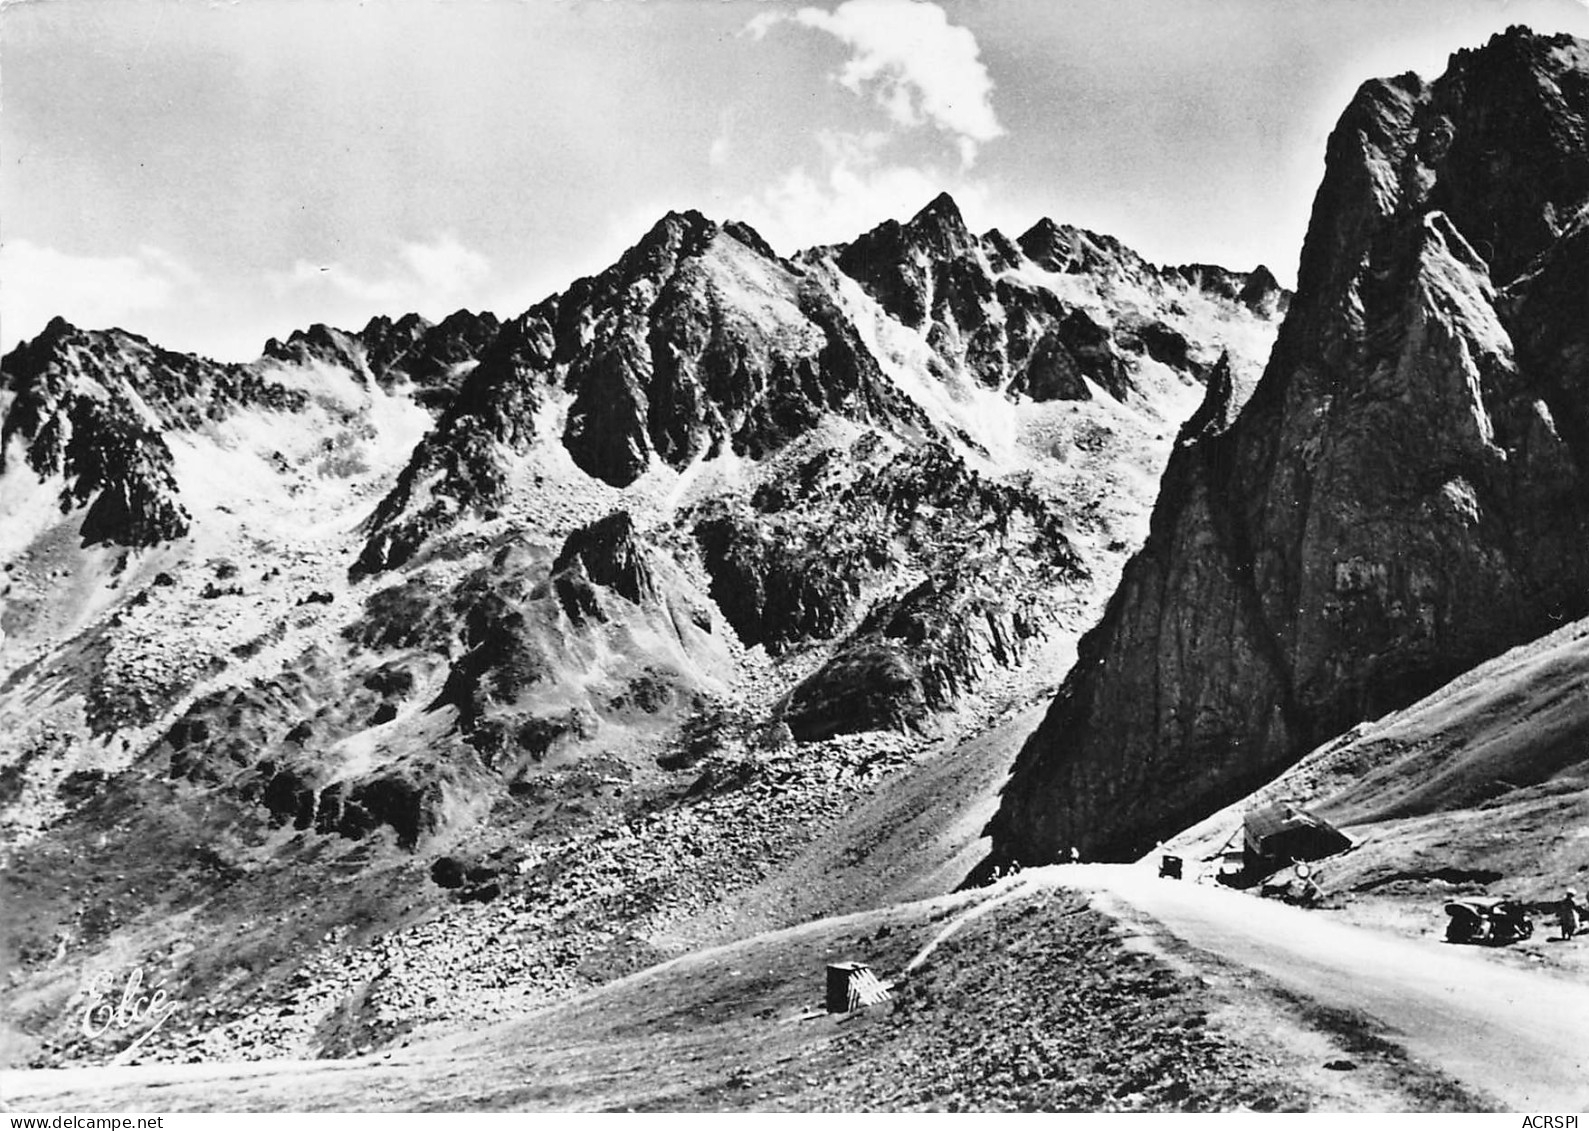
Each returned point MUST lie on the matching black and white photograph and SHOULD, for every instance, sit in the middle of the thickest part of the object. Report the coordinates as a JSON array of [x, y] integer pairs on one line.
[[827, 556]]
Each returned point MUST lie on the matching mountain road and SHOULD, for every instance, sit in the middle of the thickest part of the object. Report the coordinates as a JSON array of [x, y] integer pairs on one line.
[[1520, 1036]]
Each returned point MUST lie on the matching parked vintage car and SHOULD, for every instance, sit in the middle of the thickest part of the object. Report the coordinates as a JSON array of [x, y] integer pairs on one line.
[[1489, 920]]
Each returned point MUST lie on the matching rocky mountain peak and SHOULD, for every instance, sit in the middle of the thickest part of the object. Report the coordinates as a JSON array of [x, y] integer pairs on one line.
[[939, 227], [319, 343], [1262, 293], [386, 351], [55, 332], [1003, 253], [94, 406], [410, 325], [1049, 245], [87, 409], [750, 237], [385, 340], [896, 263], [1517, 52], [1065, 249], [699, 339], [1521, 101], [61, 344], [677, 236], [1499, 142]]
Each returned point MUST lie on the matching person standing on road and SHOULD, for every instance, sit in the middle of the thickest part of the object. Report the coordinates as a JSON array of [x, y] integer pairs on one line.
[[1569, 914]]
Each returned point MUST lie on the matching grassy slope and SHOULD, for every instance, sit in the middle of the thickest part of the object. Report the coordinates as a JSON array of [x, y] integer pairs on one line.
[[1039, 1004], [1483, 786]]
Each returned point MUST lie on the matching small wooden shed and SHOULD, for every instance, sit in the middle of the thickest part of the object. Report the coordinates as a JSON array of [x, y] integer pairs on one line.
[[852, 985], [1276, 834]]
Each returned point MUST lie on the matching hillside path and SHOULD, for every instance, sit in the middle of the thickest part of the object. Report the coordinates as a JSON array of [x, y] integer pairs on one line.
[[1519, 1036]]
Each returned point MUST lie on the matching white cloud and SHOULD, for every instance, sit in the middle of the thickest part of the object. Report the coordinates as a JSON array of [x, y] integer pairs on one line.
[[433, 277], [445, 267], [760, 25], [925, 74], [852, 191], [96, 292], [914, 63]]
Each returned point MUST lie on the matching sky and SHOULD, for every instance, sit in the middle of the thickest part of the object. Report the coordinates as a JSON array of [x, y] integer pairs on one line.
[[210, 174]]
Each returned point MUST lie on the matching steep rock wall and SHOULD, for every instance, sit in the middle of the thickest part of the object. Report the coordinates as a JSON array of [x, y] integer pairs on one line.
[[1404, 494]]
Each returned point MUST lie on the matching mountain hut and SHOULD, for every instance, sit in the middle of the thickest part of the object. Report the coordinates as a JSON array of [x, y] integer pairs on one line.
[[1274, 835]]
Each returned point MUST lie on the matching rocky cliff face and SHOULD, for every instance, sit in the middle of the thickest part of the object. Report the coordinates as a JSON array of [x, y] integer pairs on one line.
[[994, 554], [1402, 497]]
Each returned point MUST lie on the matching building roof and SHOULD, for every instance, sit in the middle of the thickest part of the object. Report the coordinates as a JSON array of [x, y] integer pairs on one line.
[[1285, 817]]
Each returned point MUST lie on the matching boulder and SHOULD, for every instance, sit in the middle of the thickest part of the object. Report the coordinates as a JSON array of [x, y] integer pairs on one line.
[[865, 688]]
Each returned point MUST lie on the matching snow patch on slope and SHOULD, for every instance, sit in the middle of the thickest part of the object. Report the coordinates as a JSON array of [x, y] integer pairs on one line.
[[953, 403]]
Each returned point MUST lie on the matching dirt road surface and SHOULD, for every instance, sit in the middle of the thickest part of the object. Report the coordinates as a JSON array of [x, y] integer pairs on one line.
[[1518, 1035]]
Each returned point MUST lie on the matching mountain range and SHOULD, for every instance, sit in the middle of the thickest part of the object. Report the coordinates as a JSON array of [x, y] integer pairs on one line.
[[415, 675], [475, 595]]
